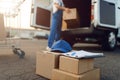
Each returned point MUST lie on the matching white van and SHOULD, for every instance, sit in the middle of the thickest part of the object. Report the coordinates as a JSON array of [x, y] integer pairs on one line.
[[99, 21]]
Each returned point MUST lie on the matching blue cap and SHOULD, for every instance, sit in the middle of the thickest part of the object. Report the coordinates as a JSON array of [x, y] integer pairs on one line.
[[61, 46]]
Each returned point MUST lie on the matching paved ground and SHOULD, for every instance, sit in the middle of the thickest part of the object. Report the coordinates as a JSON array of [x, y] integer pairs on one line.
[[109, 65], [13, 68]]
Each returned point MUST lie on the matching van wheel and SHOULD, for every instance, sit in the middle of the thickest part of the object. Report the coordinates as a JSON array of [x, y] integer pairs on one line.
[[109, 41]]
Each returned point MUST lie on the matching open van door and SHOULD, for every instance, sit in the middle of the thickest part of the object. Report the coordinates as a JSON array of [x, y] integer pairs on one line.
[[106, 13], [118, 18], [40, 14]]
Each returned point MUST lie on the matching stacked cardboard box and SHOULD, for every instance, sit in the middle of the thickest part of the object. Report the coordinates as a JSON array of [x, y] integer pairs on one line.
[[76, 69], [46, 62], [62, 75], [64, 25], [71, 19], [55, 66], [75, 66]]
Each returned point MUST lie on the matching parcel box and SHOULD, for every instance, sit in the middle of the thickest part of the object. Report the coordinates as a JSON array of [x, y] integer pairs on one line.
[[72, 19], [62, 75], [64, 25], [70, 25], [72, 15], [45, 62], [76, 66]]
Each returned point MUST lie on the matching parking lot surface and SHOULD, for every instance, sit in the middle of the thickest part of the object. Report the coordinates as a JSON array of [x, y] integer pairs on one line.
[[14, 68]]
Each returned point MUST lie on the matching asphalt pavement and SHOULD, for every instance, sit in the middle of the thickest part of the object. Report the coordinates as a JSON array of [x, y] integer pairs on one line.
[[14, 68]]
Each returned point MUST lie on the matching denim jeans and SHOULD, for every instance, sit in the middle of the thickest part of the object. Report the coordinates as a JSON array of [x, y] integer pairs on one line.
[[55, 28]]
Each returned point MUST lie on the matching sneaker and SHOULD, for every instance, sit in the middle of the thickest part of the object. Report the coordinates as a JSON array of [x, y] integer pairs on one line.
[[48, 49]]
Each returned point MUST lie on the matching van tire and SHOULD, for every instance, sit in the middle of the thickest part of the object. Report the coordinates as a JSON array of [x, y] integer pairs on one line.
[[109, 41]]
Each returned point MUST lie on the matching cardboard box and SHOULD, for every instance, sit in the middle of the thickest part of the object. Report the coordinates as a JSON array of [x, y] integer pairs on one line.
[[75, 66], [64, 25], [70, 25], [90, 75], [72, 19], [73, 15], [45, 62]]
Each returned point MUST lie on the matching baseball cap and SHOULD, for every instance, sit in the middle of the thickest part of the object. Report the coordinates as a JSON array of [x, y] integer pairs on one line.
[[61, 46]]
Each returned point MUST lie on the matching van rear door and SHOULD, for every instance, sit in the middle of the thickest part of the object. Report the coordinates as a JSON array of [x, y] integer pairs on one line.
[[106, 13], [40, 14]]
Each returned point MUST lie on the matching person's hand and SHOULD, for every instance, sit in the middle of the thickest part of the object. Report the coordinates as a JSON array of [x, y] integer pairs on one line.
[[67, 10]]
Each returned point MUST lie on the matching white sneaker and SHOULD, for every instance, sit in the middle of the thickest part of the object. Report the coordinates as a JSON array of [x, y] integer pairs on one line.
[[48, 49]]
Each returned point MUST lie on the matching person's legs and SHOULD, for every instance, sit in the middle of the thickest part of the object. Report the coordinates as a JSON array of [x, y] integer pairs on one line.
[[53, 30], [58, 31]]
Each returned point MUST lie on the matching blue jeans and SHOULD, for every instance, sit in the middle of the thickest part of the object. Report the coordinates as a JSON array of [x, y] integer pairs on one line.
[[55, 28]]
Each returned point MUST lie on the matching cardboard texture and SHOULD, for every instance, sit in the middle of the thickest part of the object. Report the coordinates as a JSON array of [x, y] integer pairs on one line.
[[75, 66], [45, 62], [90, 75], [64, 25], [73, 15], [70, 25], [72, 19], [2, 28]]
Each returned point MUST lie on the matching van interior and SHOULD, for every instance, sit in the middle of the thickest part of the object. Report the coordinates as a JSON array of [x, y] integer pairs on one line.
[[83, 9]]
